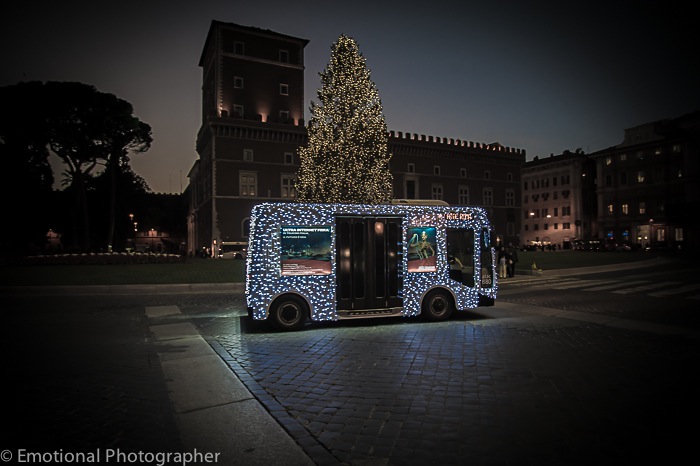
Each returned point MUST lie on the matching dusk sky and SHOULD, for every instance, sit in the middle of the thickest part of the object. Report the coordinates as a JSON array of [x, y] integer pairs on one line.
[[539, 76]]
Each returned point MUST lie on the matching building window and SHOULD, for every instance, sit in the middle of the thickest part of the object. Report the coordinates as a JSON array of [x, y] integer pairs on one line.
[[437, 191], [566, 226], [642, 208], [436, 169], [524, 185], [288, 191], [623, 178], [239, 48], [248, 155], [411, 168], [623, 157], [238, 111], [566, 210], [509, 176], [248, 183], [487, 174], [610, 209], [488, 196], [676, 148], [640, 176], [463, 195], [284, 89], [284, 115], [625, 209], [463, 172], [237, 82], [608, 160], [289, 158], [510, 198], [284, 56]]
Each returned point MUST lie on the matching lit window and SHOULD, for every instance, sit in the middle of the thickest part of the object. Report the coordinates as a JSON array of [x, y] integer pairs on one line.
[[248, 183], [288, 191], [625, 209], [642, 208], [640, 176]]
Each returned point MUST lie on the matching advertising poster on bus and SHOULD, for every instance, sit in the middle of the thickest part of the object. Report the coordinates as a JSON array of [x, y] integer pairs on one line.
[[306, 250], [422, 249]]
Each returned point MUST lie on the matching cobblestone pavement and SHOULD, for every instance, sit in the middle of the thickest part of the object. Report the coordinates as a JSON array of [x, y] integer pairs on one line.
[[502, 387], [513, 390], [80, 374]]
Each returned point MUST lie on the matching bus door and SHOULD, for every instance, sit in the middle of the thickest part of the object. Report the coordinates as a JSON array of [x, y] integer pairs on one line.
[[368, 258]]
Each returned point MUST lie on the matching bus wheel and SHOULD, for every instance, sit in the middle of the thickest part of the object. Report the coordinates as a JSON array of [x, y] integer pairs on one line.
[[437, 305], [288, 313]]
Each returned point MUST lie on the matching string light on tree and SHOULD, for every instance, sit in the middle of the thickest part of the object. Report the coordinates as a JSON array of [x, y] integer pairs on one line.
[[346, 159]]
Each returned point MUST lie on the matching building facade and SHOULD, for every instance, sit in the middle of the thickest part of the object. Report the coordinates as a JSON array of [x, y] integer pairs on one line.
[[253, 123], [558, 200], [648, 191]]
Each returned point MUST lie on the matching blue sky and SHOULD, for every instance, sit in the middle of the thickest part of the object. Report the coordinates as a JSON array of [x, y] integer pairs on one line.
[[539, 76]]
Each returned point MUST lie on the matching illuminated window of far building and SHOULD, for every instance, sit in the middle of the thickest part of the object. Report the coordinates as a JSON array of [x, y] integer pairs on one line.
[[640, 176], [248, 183], [625, 209], [642, 207], [288, 191], [610, 209], [608, 160]]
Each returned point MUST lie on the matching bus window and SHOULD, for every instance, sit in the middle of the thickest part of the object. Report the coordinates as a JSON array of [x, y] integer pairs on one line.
[[486, 259], [460, 247]]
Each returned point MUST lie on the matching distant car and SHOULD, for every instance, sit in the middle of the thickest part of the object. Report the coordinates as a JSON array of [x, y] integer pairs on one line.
[[233, 250]]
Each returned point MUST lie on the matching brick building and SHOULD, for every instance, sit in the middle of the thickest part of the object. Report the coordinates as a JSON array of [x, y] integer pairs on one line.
[[253, 123], [648, 190]]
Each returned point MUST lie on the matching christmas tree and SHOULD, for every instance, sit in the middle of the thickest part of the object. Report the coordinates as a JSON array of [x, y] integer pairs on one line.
[[346, 157]]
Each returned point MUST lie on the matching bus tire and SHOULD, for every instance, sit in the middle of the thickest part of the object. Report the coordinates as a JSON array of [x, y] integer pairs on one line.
[[437, 305], [288, 313]]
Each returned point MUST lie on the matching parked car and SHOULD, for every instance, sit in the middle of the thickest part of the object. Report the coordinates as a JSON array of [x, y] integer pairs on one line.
[[233, 250]]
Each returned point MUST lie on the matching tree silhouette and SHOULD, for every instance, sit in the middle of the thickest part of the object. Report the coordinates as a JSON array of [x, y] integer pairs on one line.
[[90, 131], [87, 130], [346, 157]]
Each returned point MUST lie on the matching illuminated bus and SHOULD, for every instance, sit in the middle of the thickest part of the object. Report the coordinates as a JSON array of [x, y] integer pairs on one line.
[[327, 262]]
